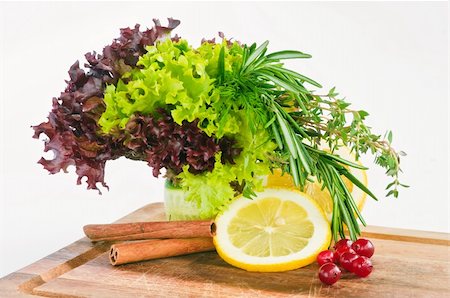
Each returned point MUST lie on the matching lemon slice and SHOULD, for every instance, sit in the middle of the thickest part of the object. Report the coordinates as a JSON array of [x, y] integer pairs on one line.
[[314, 189], [279, 230]]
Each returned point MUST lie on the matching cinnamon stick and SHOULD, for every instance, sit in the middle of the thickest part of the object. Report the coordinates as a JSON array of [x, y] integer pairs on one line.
[[150, 230], [131, 252]]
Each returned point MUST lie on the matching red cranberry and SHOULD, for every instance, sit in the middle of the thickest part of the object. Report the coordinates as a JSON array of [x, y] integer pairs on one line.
[[336, 258], [362, 266], [343, 249], [329, 273], [343, 242], [326, 256], [363, 247], [346, 260]]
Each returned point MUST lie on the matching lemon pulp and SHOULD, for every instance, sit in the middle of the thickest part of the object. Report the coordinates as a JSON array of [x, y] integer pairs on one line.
[[273, 231], [279, 230]]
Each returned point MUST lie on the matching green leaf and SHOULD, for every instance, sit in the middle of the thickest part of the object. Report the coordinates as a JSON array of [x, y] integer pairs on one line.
[[270, 122], [209, 190], [296, 127], [332, 92], [335, 220], [295, 75], [346, 216], [300, 100], [350, 200], [294, 170], [390, 185], [277, 136], [287, 136], [248, 191], [358, 183], [287, 55], [342, 104], [363, 114], [221, 66], [258, 52], [390, 193], [282, 83], [302, 154], [344, 161], [337, 158]]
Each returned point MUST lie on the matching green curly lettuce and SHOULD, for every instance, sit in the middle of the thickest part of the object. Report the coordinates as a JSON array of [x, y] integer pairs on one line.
[[176, 77], [199, 85], [212, 190]]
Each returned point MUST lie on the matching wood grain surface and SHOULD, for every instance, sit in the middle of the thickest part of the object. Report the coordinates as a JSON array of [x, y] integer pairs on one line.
[[406, 264]]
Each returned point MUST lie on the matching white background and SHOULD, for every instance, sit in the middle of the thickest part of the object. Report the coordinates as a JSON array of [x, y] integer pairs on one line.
[[387, 58]]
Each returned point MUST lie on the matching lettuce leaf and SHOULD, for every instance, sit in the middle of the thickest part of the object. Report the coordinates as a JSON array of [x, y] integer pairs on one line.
[[211, 191], [215, 189], [71, 128], [177, 77]]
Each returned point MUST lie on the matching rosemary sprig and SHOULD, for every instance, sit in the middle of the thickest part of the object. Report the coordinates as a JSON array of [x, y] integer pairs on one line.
[[299, 120]]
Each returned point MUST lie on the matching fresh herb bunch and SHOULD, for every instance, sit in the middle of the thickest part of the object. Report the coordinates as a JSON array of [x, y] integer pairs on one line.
[[300, 120], [217, 118]]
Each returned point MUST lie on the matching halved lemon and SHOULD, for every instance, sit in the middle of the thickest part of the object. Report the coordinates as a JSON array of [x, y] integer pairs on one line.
[[314, 189], [279, 230]]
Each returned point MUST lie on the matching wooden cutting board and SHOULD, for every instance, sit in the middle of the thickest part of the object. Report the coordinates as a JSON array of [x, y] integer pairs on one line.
[[406, 264]]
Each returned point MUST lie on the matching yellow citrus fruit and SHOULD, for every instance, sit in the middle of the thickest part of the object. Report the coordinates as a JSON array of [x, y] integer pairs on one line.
[[278, 230], [314, 189]]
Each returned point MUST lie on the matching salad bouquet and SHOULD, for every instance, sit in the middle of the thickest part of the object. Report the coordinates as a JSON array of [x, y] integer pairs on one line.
[[213, 119]]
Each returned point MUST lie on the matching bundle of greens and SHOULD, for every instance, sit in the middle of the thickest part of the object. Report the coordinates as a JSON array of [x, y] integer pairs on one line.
[[217, 119]]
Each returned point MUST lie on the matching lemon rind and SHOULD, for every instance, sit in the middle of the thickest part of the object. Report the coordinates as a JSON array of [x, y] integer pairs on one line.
[[306, 256]]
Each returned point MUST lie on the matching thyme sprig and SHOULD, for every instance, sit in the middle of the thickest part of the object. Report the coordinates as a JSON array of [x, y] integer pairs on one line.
[[300, 120]]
